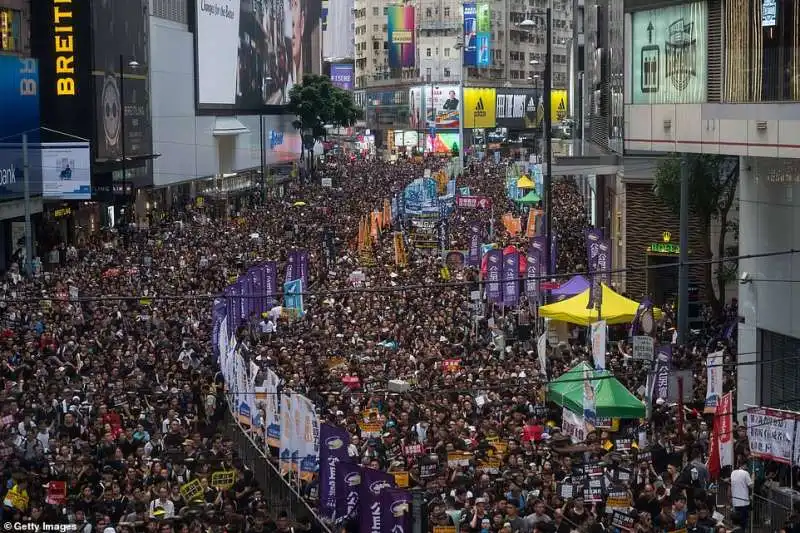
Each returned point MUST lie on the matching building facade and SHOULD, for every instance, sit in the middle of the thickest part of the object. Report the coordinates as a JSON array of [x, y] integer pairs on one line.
[[694, 83], [438, 30]]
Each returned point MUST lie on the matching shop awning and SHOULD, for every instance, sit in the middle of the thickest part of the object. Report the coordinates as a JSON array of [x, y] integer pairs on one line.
[[224, 126]]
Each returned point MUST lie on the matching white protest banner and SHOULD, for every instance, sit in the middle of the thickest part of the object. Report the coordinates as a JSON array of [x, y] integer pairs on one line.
[[599, 344], [643, 348], [714, 373], [771, 434], [573, 425]]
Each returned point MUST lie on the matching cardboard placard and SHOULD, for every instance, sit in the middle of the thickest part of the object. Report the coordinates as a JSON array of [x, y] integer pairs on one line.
[[622, 521], [401, 479]]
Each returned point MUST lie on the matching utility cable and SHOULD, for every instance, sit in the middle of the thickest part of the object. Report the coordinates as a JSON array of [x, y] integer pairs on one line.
[[391, 289]]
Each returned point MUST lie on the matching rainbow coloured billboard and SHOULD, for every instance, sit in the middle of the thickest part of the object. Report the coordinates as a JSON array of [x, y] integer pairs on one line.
[[400, 29]]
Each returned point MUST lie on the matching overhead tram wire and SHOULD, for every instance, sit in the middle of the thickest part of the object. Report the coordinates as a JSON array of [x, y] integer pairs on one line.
[[400, 288]]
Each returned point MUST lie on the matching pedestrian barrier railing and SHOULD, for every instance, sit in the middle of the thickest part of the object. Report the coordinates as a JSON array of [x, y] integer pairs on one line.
[[765, 515], [278, 493]]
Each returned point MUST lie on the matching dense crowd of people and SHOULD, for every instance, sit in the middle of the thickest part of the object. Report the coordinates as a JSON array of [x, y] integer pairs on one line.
[[112, 404]]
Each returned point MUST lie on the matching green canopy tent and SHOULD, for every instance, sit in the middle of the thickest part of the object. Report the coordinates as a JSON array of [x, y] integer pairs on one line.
[[612, 399], [530, 198]]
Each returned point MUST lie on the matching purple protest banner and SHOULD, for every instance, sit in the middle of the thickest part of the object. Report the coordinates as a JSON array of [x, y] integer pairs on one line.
[[553, 254], [228, 294], [244, 297], [333, 450], [593, 238], [396, 505], [373, 482], [218, 316], [270, 269], [539, 244], [255, 302], [511, 279], [302, 267], [348, 482], [291, 267], [604, 261], [533, 258], [494, 272], [663, 364], [474, 256]]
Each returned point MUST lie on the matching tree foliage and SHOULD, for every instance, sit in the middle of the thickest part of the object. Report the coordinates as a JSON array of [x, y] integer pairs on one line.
[[317, 102], [712, 190]]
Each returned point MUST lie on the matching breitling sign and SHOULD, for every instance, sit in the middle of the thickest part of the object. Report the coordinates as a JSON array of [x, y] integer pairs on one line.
[[670, 55]]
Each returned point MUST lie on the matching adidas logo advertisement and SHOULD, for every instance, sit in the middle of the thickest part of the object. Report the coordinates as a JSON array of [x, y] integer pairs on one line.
[[480, 109]]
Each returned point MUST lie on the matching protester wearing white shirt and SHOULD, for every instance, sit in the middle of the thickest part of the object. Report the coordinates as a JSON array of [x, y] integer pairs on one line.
[[741, 483]]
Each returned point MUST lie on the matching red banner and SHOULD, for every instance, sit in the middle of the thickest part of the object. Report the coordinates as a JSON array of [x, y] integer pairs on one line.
[[474, 202]]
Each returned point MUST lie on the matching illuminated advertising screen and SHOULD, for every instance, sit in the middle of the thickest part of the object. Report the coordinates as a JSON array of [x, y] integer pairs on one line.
[[441, 143], [400, 27], [342, 76], [250, 54], [517, 108]]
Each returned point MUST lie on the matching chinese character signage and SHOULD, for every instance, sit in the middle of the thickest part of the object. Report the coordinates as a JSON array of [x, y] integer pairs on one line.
[[670, 54], [400, 29]]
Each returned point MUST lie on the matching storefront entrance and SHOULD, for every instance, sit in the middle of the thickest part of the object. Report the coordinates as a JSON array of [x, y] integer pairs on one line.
[[662, 282]]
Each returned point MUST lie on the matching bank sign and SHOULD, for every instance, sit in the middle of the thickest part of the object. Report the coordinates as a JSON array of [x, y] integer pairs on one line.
[[670, 55]]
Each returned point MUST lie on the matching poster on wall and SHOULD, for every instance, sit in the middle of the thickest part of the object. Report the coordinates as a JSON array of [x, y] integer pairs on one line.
[[670, 56], [250, 54], [400, 30], [558, 105], [442, 108], [479, 107]]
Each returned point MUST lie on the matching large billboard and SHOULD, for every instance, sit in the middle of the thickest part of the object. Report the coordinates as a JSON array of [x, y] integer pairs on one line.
[[65, 171], [670, 56], [524, 108], [479, 107], [120, 42], [517, 108], [62, 41], [342, 75], [250, 54], [436, 107], [338, 29], [55, 170], [400, 28], [19, 98], [441, 143], [483, 45]]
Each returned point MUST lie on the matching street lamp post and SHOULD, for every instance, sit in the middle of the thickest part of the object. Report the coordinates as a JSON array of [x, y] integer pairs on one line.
[[131, 64], [548, 133]]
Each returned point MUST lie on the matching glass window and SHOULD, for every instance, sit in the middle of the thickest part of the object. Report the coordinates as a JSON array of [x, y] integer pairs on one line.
[[376, 11], [446, 72], [10, 25], [761, 50], [428, 52], [446, 52]]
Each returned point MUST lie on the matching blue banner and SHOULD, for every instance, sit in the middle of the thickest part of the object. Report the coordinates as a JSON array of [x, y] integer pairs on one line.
[[293, 296], [470, 35]]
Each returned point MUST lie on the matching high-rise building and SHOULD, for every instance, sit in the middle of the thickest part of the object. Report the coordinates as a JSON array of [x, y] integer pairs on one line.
[[516, 53]]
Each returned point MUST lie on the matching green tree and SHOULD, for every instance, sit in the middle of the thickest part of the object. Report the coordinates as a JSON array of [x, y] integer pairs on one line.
[[317, 103], [712, 190], [454, 150]]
